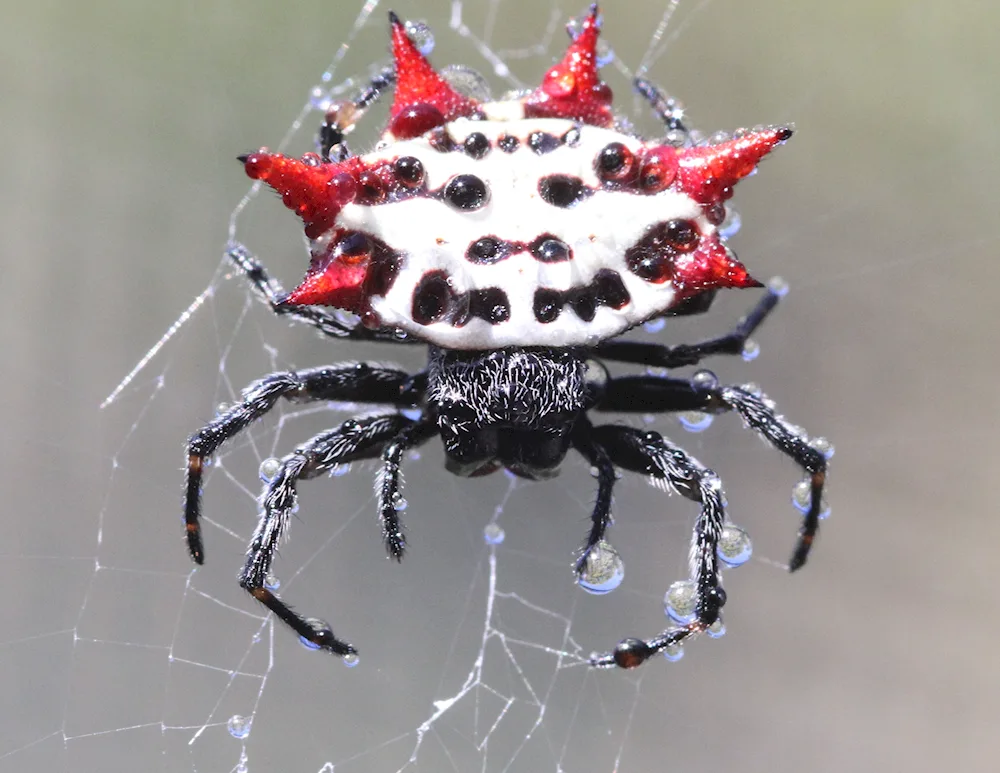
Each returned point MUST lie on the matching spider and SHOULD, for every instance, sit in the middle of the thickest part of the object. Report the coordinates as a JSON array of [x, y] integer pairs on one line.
[[517, 239]]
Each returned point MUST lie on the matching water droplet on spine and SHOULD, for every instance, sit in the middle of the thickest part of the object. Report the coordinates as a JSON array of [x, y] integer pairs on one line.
[[420, 33], [468, 82], [731, 225]]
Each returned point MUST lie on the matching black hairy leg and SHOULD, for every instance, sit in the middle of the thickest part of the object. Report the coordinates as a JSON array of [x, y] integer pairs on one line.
[[666, 108], [341, 116], [362, 438], [660, 356], [329, 324], [759, 413], [389, 483], [652, 394], [350, 381], [584, 442], [651, 454]]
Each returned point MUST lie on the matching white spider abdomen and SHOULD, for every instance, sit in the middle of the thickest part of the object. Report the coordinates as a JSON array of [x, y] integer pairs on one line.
[[535, 255]]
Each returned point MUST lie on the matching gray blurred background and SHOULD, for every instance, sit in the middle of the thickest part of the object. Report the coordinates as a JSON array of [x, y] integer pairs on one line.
[[119, 126]]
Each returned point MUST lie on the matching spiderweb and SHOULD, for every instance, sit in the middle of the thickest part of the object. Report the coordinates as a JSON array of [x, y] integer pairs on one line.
[[473, 652]]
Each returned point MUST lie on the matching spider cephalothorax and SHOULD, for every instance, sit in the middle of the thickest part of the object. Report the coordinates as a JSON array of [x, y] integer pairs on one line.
[[516, 238]]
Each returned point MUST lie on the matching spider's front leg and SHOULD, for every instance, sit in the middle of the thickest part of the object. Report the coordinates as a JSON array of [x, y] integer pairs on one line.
[[649, 453], [349, 381]]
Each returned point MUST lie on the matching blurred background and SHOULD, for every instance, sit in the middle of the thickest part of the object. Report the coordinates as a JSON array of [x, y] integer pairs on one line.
[[120, 125]]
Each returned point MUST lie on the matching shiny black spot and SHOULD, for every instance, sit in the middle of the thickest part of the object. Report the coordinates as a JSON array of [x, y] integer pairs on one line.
[[409, 171], [355, 247], [353, 244], [491, 304], [487, 249], [548, 304], [543, 142], [682, 234], [508, 143], [583, 303], [696, 304], [382, 272], [562, 191], [615, 162], [476, 145], [549, 249], [466, 192], [572, 137], [716, 213], [609, 289], [432, 298], [371, 189], [651, 265], [652, 258], [441, 140]]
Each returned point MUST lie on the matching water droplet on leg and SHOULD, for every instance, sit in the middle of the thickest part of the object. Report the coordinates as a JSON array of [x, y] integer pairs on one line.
[[603, 570], [680, 602]]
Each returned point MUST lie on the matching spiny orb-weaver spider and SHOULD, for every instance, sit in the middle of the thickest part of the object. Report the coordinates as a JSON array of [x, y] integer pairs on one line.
[[516, 239]]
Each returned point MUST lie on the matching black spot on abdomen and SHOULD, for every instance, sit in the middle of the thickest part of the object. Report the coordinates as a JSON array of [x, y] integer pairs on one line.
[[548, 249], [562, 190], [434, 300], [487, 249], [606, 289], [543, 142], [609, 289], [491, 304], [466, 192]]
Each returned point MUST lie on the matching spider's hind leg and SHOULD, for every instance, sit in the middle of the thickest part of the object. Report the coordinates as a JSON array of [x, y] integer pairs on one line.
[[326, 322]]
